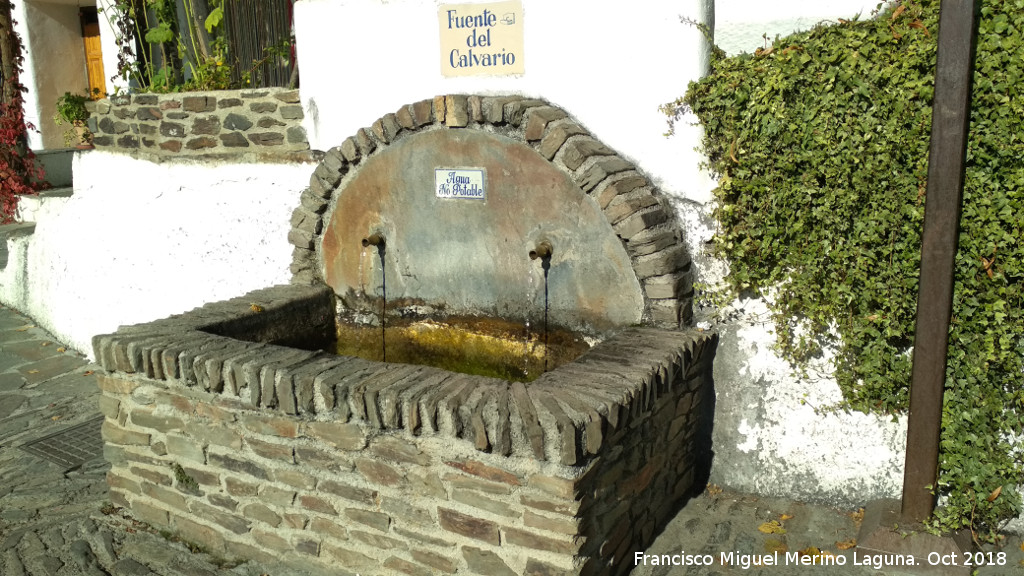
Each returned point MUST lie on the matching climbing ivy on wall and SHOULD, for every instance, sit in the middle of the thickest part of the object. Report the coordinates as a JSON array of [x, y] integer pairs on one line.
[[821, 144], [19, 173]]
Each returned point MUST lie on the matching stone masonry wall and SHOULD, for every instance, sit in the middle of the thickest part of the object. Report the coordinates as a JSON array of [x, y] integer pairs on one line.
[[373, 468], [225, 122]]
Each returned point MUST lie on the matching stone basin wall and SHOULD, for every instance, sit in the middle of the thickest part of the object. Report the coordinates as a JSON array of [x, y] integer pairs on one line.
[[218, 433], [265, 121]]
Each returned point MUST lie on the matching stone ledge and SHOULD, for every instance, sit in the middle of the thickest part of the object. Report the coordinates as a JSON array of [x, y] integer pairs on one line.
[[240, 348]]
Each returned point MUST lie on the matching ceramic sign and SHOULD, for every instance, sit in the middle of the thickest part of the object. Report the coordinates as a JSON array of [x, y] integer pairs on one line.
[[466, 183], [482, 39]]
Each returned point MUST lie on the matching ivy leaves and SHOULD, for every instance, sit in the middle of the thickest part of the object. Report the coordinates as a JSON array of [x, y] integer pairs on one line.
[[821, 142]]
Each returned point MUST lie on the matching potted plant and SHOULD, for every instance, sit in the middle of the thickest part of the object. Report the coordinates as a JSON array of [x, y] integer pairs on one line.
[[71, 110]]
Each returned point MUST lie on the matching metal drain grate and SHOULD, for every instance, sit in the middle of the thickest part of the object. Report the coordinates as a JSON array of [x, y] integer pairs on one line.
[[71, 447]]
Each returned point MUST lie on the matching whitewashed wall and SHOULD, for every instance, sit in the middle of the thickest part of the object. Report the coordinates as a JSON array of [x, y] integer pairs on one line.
[[140, 241], [740, 25], [609, 63], [54, 64], [108, 39]]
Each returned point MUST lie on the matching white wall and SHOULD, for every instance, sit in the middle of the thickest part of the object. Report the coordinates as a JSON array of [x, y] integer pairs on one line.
[[140, 241], [55, 64], [108, 41], [28, 78], [740, 25], [611, 64]]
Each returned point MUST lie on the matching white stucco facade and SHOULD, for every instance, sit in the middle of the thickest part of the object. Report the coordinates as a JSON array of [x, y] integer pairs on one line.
[[741, 25], [54, 63], [140, 241], [610, 64]]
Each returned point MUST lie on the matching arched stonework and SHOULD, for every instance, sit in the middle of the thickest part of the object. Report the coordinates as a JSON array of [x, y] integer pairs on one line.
[[633, 207]]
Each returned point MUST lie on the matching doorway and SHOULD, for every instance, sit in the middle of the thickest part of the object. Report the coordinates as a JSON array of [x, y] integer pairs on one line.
[[93, 52]]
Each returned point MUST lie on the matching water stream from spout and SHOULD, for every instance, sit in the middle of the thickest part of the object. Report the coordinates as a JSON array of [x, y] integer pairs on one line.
[[543, 251], [383, 304], [546, 266], [377, 239], [531, 297]]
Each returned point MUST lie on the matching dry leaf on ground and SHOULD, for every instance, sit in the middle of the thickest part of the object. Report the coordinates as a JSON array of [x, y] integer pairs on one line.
[[772, 527]]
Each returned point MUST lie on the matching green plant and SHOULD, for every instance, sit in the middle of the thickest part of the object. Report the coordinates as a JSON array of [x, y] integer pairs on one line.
[[71, 110], [179, 53], [186, 482], [821, 144]]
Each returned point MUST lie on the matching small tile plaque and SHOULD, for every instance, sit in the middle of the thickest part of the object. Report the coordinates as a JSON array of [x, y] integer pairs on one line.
[[465, 183]]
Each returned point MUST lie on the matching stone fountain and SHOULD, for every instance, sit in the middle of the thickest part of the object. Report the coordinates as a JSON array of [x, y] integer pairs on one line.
[[236, 425]]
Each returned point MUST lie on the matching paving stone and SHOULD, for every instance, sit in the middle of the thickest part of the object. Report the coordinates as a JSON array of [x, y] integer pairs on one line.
[[9, 403], [50, 367], [82, 554], [129, 567], [32, 350]]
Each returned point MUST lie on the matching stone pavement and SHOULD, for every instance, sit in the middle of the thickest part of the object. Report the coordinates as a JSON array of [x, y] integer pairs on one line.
[[56, 521], [718, 522]]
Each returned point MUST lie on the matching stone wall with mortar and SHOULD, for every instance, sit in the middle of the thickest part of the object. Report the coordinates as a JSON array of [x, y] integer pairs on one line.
[[223, 122], [254, 450]]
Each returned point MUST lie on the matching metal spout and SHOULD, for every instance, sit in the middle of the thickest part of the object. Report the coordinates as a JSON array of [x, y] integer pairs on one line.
[[375, 239], [542, 251]]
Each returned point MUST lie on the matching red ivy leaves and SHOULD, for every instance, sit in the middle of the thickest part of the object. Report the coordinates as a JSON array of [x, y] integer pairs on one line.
[[19, 173]]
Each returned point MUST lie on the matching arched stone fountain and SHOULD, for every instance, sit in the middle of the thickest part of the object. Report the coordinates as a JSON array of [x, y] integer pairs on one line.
[[237, 427]]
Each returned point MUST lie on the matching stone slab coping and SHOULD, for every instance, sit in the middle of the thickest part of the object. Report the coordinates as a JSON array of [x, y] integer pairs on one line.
[[264, 351]]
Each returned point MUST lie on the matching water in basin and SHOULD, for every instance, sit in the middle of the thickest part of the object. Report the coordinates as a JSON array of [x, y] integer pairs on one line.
[[483, 347]]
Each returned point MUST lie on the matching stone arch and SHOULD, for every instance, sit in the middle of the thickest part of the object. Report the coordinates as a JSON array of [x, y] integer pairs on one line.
[[636, 210]]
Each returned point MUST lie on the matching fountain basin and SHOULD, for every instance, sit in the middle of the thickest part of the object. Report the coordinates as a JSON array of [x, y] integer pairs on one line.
[[231, 427], [482, 347]]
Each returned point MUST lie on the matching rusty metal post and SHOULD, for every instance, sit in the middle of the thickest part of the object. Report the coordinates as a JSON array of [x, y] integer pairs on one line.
[[950, 119]]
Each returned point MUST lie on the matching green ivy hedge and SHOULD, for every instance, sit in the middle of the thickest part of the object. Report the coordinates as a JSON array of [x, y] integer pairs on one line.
[[821, 145]]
